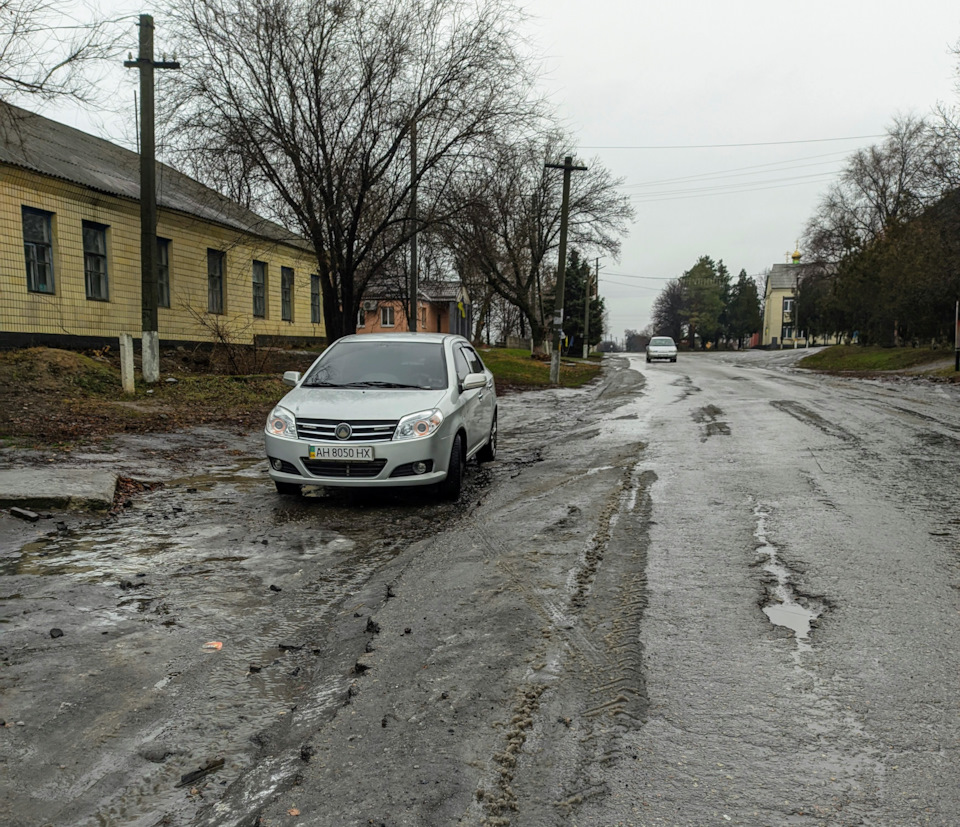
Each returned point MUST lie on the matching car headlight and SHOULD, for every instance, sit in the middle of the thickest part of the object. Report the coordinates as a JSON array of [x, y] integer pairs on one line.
[[282, 423], [418, 425]]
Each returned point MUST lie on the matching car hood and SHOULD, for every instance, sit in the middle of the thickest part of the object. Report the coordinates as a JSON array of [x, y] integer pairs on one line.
[[354, 404]]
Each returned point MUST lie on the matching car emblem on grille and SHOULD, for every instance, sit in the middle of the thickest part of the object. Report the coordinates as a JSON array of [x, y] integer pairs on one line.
[[343, 431]]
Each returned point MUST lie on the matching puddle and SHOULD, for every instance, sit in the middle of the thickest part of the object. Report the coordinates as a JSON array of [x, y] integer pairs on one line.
[[785, 606]]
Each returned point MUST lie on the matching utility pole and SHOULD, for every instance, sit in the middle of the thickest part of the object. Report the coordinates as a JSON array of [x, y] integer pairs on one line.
[[150, 342], [586, 313], [414, 273], [567, 168]]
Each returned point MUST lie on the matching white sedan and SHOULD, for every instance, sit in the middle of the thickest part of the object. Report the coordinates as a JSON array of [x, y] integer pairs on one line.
[[662, 347], [384, 410]]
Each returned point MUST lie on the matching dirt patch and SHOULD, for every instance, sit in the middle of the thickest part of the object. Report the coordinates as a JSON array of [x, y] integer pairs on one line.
[[60, 397]]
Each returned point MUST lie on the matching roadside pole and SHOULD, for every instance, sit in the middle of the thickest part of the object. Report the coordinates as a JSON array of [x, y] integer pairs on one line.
[[150, 337], [567, 167], [414, 286], [586, 314], [956, 338]]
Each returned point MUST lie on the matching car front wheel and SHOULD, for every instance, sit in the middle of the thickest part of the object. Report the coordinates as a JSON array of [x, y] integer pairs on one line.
[[488, 453], [450, 488]]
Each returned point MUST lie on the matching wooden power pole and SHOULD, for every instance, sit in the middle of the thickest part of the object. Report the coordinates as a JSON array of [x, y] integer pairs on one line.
[[150, 343], [414, 286], [567, 167], [586, 313]]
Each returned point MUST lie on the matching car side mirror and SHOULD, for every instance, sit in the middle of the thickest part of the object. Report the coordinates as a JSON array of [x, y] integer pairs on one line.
[[473, 380], [291, 377]]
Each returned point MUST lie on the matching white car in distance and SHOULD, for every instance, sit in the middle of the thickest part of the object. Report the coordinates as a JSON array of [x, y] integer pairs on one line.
[[662, 347]]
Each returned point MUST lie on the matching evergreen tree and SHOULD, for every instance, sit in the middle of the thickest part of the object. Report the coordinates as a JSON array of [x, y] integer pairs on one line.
[[743, 308], [578, 276], [703, 303]]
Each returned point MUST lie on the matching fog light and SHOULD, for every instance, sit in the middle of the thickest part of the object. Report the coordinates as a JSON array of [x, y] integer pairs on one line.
[[277, 464], [419, 468]]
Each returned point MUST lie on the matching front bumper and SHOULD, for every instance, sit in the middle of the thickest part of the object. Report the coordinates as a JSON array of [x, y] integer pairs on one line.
[[396, 457]]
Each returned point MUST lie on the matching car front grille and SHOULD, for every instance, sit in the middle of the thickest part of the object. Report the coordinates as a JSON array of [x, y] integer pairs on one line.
[[364, 430], [344, 470]]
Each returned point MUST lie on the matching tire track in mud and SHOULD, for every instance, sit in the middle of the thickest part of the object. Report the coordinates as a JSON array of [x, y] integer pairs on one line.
[[614, 683], [808, 417], [585, 682]]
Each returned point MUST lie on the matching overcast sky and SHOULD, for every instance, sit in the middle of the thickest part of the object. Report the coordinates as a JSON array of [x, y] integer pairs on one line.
[[640, 83]]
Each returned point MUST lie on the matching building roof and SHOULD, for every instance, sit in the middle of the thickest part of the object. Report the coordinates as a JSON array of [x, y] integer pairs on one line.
[[444, 291], [38, 144], [429, 290], [784, 276]]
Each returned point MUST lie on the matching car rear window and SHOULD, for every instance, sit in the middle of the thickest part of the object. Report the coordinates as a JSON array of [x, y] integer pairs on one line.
[[661, 341], [381, 364]]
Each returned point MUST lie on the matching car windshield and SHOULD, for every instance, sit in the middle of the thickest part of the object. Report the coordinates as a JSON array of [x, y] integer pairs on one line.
[[661, 341], [359, 364]]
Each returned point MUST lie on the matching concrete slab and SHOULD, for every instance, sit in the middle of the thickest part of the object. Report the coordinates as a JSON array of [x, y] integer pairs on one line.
[[84, 488]]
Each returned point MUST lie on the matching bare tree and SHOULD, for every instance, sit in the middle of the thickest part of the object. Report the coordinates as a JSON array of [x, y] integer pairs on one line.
[[304, 109], [879, 186], [510, 221], [46, 52]]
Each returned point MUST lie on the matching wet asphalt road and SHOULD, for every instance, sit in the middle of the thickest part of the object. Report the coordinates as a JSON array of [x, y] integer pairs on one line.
[[721, 591]]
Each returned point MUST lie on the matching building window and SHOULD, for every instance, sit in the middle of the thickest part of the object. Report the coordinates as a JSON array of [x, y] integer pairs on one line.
[[788, 309], [215, 281], [286, 294], [361, 318], [259, 289], [95, 261], [38, 249], [163, 272], [315, 299], [386, 315]]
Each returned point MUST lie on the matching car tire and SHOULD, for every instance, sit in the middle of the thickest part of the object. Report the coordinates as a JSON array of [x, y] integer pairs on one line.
[[488, 453], [450, 488], [674, 359], [288, 489], [648, 360]]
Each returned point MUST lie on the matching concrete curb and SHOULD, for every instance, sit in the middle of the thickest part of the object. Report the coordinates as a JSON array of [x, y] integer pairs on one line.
[[65, 488]]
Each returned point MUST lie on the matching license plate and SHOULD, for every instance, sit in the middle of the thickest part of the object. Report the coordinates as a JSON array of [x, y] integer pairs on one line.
[[344, 453]]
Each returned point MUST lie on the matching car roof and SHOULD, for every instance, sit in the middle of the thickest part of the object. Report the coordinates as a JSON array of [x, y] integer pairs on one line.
[[438, 338]]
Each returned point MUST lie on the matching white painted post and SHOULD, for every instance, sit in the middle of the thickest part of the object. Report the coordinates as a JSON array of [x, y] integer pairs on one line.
[[126, 363], [150, 356]]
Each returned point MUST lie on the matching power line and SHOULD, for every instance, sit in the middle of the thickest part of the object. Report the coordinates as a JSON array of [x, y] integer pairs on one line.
[[652, 198], [739, 172], [632, 276], [624, 284], [730, 146]]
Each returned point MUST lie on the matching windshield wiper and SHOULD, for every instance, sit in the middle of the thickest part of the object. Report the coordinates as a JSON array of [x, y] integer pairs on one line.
[[322, 385], [377, 384]]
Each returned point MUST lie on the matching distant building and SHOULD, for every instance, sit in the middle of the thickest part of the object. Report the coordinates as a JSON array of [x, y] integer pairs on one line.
[[781, 326], [444, 307], [70, 249]]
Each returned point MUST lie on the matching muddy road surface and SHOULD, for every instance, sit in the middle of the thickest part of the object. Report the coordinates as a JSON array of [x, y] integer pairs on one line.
[[721, 591]]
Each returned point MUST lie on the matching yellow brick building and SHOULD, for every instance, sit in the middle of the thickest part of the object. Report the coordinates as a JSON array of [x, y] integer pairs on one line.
[[70, 250]]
